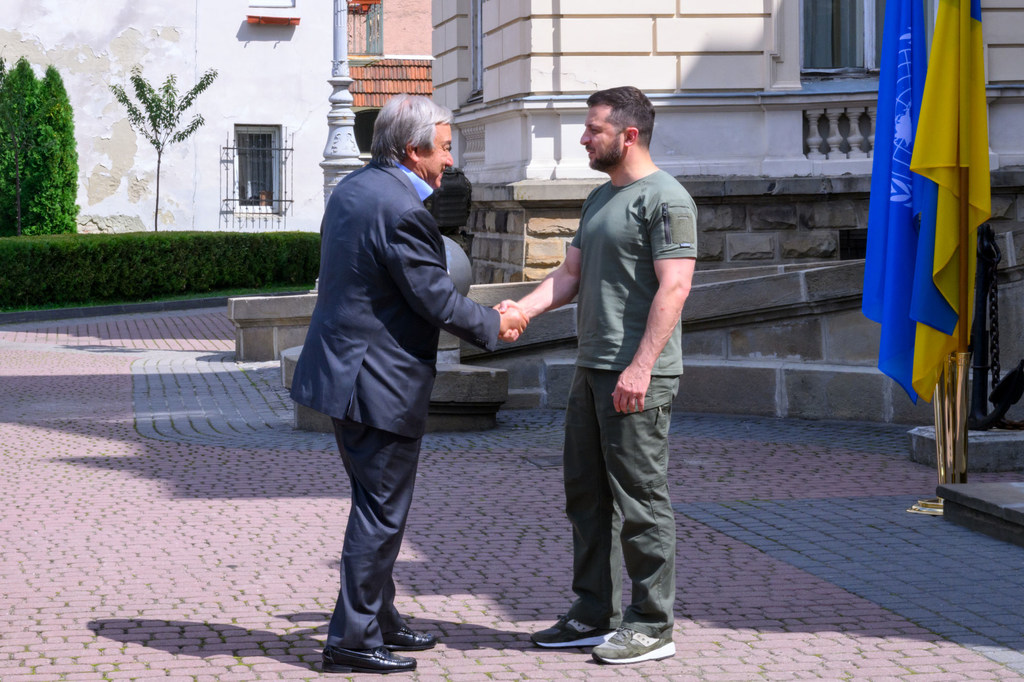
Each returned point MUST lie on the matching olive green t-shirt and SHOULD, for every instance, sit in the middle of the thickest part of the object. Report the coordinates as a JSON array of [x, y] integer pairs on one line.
[[622, 231]]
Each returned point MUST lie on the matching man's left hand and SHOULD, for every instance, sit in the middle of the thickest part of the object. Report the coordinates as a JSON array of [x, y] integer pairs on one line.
[[630, 390]]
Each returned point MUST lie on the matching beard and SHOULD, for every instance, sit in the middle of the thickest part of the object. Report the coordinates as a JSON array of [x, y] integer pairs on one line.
[[608, 160]]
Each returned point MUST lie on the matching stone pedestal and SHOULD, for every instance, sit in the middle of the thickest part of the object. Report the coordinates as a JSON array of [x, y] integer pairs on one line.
[[994, 450], [267, 325]]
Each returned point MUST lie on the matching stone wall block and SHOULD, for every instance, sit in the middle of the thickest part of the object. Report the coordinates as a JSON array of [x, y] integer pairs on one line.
[[773, 216], [490, 221], [558, 373], [552, 227], [830, 282], [721, 217], [840, 214], [514, 221], [727, 390], [816, 393], [904, 411], [501, 222], [851, 339], [1002, 207], [746, 247], [741, 296], [544, 252], [710, 343], [531, 274], [799, 339], [710, 247], [820, 244]]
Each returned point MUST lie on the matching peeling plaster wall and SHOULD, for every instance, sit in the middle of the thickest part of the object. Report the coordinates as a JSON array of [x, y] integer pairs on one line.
[[268, 75]]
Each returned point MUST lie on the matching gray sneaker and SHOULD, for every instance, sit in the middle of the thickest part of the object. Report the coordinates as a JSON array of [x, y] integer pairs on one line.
[[630, 646], [570, 632]]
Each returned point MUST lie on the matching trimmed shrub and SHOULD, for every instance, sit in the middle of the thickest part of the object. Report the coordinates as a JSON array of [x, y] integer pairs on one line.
[[70, 269]]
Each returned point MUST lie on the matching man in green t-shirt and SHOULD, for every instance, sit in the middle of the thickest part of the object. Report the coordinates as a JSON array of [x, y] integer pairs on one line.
[[630, 266]]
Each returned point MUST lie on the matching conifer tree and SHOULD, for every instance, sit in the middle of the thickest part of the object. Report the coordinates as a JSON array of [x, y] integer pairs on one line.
[[53, 162], [19, 116]]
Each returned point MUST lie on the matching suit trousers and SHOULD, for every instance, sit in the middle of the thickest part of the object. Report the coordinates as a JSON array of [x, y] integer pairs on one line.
[[382, 469], [617, 500]]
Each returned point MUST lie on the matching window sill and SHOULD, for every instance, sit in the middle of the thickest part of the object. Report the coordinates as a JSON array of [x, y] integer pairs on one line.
[[272, 21]]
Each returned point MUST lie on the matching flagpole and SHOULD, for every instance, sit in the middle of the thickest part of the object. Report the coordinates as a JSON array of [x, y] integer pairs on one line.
[[965, 234], [956, 456]]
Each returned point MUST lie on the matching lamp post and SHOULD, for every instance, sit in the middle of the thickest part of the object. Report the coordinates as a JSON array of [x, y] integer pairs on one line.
[[341, 154]]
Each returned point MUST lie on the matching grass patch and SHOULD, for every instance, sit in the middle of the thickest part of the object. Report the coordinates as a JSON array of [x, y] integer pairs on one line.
[[261, 291]]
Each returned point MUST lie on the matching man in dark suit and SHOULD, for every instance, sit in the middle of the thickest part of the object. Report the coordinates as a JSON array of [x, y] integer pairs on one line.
[[369, 363]]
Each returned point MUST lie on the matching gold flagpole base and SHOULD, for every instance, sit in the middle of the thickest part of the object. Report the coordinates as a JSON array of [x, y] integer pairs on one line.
[[951, 404], [929, 507]]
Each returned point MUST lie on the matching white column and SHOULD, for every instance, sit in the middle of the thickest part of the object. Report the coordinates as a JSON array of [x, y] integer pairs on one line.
[[341, 154]]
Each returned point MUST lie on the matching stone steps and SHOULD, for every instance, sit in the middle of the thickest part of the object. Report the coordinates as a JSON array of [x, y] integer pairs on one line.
[[995, 509]]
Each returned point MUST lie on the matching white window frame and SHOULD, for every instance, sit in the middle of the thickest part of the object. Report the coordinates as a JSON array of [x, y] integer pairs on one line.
[[869, 41], [476, 50], [871, 38], [272, 3], [276, 161]]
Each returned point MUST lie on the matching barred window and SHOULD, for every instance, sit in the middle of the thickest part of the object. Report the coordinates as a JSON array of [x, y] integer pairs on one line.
[[259, 173], [255, 179]]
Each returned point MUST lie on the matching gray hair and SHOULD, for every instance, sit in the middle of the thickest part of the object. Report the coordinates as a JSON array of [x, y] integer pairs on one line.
[[405, 119]]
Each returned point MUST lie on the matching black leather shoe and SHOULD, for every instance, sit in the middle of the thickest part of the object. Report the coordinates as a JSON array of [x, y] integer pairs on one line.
[[379, 660], [407, 639]]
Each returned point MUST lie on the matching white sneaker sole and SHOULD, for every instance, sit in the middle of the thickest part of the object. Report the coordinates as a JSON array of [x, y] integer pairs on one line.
[[586, 641], [655, 654]]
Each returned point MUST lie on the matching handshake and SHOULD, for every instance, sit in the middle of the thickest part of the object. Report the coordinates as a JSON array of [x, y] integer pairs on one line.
[[513, 320]]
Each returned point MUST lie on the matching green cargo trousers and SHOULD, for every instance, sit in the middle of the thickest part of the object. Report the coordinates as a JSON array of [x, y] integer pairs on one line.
[[617, 500]]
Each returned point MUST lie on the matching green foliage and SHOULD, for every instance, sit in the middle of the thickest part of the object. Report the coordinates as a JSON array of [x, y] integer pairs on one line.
[[158, 115], [38, 154], [52, 207], [141, 266]]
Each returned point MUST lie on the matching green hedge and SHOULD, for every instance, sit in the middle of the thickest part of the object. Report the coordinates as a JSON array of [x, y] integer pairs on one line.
[[72, 268]]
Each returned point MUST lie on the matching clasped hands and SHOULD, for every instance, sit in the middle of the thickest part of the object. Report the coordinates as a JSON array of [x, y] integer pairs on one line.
[[513, 320]]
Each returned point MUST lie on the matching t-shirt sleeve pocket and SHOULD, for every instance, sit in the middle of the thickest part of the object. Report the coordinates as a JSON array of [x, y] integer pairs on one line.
[[678, 232]]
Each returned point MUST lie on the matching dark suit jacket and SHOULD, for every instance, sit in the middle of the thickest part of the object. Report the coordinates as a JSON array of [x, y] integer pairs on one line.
[[384, 293]]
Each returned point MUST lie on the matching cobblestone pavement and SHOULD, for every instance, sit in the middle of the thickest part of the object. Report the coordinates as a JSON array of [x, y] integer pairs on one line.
[[161, 519]]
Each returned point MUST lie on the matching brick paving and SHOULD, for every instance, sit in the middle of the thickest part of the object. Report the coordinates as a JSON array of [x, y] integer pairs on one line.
[[161, 519]]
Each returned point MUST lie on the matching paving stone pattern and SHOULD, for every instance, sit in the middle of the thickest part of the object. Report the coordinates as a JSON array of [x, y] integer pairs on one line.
[[160, 519]]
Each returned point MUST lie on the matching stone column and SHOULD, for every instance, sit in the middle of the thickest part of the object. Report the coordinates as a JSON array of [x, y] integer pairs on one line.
[[341, 154]]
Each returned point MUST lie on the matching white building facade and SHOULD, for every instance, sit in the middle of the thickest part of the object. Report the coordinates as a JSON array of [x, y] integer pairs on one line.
[[255, 164], [765, 110]]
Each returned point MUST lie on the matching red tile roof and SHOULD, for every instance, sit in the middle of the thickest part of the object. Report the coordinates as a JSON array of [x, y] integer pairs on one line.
[[374, 83]]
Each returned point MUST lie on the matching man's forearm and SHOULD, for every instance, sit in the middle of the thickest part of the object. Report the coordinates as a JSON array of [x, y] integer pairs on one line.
[[662, 319], [557, 289]]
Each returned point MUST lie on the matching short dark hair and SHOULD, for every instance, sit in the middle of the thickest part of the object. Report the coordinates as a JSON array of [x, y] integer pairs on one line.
[[630, 109]]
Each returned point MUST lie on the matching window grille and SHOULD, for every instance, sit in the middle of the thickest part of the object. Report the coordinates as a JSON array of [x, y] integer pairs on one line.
[[256, 179]]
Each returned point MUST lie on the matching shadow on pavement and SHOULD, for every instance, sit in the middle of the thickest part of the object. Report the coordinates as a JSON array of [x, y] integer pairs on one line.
[[300, 648]]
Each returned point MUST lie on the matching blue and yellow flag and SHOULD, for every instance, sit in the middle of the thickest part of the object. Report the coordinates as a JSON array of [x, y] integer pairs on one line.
[[952, 134], [897, 196]]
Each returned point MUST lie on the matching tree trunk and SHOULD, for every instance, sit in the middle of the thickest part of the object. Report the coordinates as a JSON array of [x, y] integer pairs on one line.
[[156, 211], [17, 188]]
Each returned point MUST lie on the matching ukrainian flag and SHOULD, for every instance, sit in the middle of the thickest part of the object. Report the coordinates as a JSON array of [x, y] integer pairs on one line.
[[952, 135]]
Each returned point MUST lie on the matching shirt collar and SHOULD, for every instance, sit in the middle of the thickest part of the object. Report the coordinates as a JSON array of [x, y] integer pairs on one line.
[[423, 190]]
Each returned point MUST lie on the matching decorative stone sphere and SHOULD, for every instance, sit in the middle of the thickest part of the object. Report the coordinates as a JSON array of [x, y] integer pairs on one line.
[[458, 266]]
